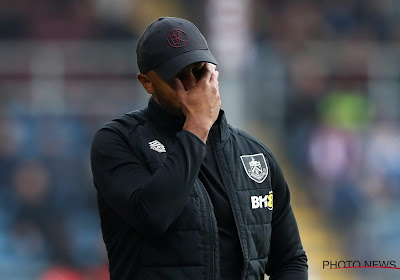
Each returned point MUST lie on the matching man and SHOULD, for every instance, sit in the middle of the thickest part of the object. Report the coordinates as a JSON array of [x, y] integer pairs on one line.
[[182, 194]]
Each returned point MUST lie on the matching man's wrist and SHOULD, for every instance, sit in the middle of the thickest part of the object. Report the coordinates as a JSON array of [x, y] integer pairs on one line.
[[200, 129]]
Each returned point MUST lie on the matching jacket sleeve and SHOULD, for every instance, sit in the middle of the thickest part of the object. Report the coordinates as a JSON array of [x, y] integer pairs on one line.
[[148, 202], [287, 259]]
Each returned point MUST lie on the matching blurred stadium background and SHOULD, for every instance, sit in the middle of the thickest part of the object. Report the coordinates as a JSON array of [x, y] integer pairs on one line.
[[317, 81]]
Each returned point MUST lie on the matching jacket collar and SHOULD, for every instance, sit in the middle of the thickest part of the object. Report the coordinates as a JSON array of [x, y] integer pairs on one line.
[[163, 120]]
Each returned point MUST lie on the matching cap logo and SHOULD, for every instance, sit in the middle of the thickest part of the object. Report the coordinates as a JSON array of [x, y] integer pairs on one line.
[[177, 38]]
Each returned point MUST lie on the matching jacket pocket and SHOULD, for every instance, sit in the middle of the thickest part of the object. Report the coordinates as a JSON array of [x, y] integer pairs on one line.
[[256, 205]]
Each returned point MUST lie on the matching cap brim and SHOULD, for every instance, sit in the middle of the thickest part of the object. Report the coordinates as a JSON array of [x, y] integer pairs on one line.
[[171, 67]]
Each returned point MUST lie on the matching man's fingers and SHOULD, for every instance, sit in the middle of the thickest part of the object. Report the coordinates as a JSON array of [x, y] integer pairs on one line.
[[209, 69], [179, 86], [213, 66], [214, 77]]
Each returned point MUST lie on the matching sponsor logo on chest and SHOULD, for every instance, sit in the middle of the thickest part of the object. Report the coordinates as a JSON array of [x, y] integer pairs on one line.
[[260, 201]]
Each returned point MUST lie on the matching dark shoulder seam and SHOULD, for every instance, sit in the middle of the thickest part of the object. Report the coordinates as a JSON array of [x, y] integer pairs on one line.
[[262, 145], [128, 122], [251, 138], [234, 129]]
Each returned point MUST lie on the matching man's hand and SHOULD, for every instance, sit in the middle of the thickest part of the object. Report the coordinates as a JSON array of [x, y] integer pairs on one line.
[[201, 103]]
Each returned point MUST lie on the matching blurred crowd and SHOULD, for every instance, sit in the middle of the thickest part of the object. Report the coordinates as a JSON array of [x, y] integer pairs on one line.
[[329, 62], [335, 64]]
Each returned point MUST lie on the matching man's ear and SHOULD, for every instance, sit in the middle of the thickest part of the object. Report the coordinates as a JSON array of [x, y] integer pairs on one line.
[[146, 83]]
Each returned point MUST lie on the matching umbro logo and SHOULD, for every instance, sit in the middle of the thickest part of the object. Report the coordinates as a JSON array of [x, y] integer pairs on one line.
[[157, 146]]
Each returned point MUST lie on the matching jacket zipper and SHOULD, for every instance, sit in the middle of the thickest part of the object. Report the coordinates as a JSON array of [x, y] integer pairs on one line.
[[214, 147], [213, 261], [214, 230]]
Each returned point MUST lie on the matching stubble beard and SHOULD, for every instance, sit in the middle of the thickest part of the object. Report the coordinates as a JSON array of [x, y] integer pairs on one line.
[[168, 106]]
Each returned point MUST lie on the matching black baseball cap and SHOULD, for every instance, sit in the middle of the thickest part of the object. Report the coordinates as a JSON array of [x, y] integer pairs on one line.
[[170, 44]]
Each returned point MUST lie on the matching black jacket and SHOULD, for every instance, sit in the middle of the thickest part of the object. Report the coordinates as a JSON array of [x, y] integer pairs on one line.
[[156, 217]]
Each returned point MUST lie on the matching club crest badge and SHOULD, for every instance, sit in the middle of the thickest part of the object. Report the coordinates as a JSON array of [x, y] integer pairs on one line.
[[255, 167]]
